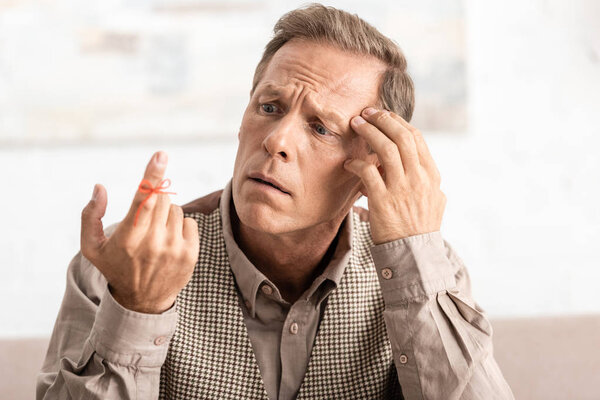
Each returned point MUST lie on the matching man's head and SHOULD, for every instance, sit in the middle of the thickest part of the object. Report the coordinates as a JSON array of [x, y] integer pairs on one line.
[[321, 24], [323, 67]]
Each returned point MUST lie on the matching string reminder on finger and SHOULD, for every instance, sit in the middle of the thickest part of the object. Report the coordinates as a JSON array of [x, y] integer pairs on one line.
[[146, 187]]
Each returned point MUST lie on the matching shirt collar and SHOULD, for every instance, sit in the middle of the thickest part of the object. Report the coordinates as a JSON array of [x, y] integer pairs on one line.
[[249, 278]]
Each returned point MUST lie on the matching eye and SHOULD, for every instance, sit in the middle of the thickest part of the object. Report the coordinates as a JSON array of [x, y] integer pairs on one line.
[[268, 108], [321, 130]]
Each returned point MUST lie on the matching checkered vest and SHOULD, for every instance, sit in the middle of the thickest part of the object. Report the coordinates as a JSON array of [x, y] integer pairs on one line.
[[211, 356]]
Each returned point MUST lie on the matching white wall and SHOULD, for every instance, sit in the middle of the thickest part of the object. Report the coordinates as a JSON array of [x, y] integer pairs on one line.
[[521, 182]]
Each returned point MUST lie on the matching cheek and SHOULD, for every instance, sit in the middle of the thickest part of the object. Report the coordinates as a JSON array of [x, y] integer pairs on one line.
[[248, 140], [249, 124], [328, 183]]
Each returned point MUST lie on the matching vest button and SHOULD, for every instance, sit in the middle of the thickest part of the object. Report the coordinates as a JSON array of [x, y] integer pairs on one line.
[[294, 328], [266, 289], [403, 359], [387, 273]]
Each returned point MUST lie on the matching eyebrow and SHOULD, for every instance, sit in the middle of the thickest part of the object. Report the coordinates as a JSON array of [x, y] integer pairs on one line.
[[336, 118], [269, 88]]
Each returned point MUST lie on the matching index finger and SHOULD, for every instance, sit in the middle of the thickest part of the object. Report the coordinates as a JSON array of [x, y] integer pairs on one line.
[[145, 201], [384, 121], [425, 158]]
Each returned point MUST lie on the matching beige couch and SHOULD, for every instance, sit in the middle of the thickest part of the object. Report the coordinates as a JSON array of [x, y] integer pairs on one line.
[[542, 358]]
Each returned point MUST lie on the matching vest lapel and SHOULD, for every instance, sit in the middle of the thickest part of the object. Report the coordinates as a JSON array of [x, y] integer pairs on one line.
[[352, 356], [210, 355]]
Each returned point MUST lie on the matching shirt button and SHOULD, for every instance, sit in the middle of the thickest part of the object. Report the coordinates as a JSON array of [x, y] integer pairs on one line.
[[387, 273], [160, 340], [403, 359], [294, 328], [266, 289]]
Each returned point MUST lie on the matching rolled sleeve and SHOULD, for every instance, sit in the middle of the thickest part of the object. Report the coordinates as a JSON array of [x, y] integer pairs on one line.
[[126, 337], [413, 267]]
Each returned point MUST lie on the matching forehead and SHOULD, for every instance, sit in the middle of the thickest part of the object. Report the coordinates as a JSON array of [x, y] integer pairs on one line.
[[326, 74]]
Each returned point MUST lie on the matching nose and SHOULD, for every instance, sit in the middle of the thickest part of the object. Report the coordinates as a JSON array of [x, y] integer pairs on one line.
[[281, 141]]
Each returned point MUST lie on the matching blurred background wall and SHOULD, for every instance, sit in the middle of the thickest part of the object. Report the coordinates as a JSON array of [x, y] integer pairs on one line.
[[508, 95]]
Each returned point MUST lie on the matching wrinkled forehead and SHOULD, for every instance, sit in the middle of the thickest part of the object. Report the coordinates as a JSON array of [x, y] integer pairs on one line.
[[326, 74]]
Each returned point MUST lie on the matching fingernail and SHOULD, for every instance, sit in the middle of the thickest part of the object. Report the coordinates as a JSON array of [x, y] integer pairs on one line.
[[161, 158], [358, 121], [369, 111], [95, 194]]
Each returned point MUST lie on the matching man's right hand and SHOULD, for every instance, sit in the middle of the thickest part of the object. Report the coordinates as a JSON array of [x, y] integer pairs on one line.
[[146, 265]]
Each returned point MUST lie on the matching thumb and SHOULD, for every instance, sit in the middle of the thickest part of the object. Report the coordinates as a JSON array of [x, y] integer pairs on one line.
[[92, 230], [364, 192]]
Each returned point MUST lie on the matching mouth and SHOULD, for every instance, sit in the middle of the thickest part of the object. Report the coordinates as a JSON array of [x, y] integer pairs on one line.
[[269, 182]]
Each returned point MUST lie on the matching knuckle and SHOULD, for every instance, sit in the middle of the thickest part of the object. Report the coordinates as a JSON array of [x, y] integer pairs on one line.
[[407, 142], [371, 171], [406, 136], [419, 179], [363, 168], [147, 205], [436, 177], [191, 221], [149, 257], [390, 152], [177, 211], [154, 241], [382, 116], [151, 250], [128, 246], [85, 213], [170, 241]]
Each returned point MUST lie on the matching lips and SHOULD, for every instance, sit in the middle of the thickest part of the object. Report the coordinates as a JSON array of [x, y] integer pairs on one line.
[[264, 179]]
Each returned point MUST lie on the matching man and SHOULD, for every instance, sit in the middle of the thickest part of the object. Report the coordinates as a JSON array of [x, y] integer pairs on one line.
[[276, 287]]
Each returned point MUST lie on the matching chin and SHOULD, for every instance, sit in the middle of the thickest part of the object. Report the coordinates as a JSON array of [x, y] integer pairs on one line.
[[262, 212], [261, 217]]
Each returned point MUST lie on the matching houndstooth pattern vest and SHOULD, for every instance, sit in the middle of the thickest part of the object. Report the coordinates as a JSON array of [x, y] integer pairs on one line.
[[211, 357]]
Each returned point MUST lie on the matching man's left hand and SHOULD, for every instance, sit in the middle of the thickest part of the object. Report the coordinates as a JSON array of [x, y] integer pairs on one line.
[[404, 193]]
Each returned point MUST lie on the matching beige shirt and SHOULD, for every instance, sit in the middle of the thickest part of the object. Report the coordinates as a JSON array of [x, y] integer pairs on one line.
[[282, 354], [99, 349]]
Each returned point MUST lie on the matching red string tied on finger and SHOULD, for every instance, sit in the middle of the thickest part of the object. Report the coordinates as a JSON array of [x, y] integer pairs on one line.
[[146, 187]]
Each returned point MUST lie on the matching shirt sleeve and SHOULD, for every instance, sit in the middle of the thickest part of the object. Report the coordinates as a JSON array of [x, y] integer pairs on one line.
[[99, 349], [441, 339]]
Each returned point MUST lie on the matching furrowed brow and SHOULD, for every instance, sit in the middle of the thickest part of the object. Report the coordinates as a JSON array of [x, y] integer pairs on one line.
[[271, 90], [329, 115], [334, 117]]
